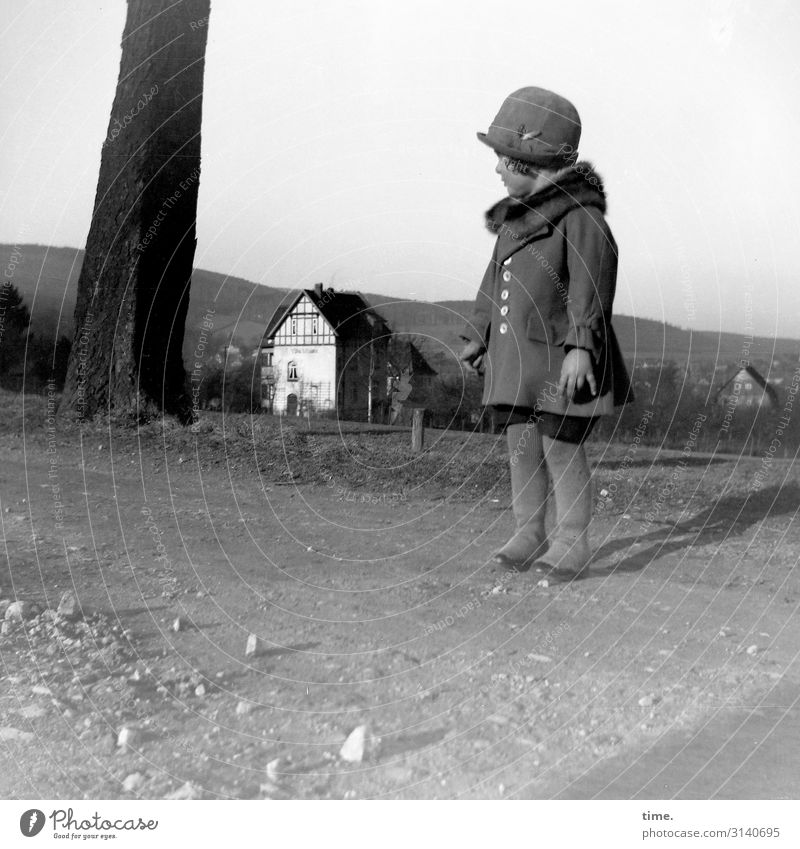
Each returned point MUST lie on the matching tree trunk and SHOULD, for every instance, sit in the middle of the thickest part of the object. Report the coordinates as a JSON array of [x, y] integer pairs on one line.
[[133, 290]]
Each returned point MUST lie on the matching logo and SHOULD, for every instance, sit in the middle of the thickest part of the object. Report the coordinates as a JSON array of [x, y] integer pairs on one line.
[[31, 822]]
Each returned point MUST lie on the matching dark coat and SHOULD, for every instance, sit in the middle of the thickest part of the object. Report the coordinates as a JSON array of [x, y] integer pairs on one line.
[[550, 287]]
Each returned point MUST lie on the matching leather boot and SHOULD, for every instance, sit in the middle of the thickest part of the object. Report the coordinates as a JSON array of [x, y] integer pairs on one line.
[[529, 498], [569, 553]]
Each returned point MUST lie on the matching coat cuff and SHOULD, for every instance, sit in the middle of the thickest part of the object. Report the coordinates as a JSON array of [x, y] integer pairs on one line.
[[583, 337]]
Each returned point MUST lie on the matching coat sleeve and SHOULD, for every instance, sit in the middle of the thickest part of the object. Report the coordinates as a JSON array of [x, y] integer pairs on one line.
[[478, 326], [592, 265]]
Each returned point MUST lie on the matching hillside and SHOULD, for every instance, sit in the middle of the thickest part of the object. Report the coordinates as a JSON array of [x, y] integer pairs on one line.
[[47, 280]]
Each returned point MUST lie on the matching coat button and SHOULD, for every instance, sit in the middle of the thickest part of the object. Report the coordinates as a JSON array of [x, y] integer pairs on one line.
[[506, 276], [504, 309], [503, 328], [504, 295]]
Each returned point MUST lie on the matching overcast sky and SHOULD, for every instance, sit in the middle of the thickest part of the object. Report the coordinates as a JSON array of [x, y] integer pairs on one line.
[[339, 140]]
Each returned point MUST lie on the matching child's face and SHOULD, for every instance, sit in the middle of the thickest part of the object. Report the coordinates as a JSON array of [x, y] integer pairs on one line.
[[519, 178]]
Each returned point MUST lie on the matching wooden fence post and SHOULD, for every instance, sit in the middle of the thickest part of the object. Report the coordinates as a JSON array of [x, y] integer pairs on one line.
[[418, 430]]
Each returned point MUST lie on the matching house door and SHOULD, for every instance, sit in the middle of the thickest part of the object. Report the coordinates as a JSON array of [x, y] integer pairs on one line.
[[291, 404]]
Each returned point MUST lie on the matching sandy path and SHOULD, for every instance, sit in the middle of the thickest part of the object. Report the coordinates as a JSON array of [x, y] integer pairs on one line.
[[378, 612]]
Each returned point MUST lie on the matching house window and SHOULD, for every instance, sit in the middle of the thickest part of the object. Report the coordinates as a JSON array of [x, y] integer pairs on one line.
[[294, 327], [292, 370], [268, 358], [314, 325]]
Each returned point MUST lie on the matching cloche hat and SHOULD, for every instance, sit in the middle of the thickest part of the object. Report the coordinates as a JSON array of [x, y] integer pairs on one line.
[[537, 126]]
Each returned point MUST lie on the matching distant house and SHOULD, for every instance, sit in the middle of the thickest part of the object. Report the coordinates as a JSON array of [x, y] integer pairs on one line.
[[748, 388], [325, 351]]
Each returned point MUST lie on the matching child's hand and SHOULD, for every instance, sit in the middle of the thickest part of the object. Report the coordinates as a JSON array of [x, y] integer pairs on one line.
[[472, 355], [575, 372]]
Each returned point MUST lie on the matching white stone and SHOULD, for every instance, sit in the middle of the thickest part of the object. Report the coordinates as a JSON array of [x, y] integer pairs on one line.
[[186, 791], [9, 734], [129, 737], [133, 782], [269, 789], [19, 611], [355, 745], [272, 771], [253, 648], [69, 607]]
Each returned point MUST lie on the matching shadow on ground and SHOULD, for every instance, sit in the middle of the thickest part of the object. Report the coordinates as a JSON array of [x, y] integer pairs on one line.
[[729, 517], [661, 461]]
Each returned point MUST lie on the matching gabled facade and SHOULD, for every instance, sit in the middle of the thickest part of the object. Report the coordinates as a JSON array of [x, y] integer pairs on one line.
[[747, 388], [324, 351]]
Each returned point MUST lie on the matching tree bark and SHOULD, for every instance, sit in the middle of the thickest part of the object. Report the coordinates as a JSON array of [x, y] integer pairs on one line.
[[133, 290]]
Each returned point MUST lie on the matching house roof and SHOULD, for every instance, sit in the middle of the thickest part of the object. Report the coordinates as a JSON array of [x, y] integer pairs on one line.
[[346, 312], [757, 378], [277, 318], [405, 354]]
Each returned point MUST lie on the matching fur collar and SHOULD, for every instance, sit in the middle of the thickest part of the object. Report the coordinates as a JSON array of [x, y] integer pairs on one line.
[[577, 186]]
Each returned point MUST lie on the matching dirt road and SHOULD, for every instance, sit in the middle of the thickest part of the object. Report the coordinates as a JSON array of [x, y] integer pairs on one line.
[[371, 591]]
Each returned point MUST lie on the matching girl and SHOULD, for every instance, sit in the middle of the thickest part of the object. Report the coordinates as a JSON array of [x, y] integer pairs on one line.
[[542, 325]]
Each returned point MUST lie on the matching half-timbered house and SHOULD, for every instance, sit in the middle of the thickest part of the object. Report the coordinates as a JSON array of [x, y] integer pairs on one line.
[[324, 351]]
